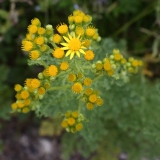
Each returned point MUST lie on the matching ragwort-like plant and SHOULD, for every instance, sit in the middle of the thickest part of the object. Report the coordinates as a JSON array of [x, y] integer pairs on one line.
[[67, 57]]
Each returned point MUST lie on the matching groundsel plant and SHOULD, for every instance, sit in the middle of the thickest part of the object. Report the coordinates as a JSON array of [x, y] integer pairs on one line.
[[67, 54]]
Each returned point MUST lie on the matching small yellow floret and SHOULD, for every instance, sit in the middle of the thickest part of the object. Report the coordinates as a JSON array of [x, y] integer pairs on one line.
[[56, 38], [80, 75], [78, 19], [77, 88], [41, 91], [70, 19], [71, 121], [99, 66], [79, 126], [24, 94], [90, 31], [35, 83], [17, 87], [35, 21], [71, 77], [44, 48], [87, 18], [123, 61], [99, 101], [135, 63], [14, 106], [58, 53], [32, 29], [64, 124], [27, 45], [68, 114], [62, 28], [87, 43], [93, 98], [25, 110], [89, 106], [107, 66], [88, 91], [75, 114], [110, 72], [41, 30], [20, 104], [27, 102], [64, 66], [117, 56], [79, 30], [89, 55], [87, 81], [52, 70], [28, 82], [29, 36], [34, 55], [18, 96], [39, 40]]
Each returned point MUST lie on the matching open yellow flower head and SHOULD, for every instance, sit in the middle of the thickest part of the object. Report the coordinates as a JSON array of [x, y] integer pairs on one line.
[[73, 45], [62, 28], [77, 88], [56, 38], [24, 94], [52, 70], [35, 21], [89, 55], [58, 53], [32, 29], [90, 31], [27, 45], [89, 106], [34, 55], [17, 87], [64, 66]]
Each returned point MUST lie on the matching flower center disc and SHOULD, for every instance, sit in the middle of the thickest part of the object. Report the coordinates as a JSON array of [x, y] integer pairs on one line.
[[74, 44]]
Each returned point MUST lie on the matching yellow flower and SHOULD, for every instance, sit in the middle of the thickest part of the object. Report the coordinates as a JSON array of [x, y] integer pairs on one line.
[[79, 126], [77, 88], [62, 28], [39, 40], [64, 66], [99, 101], [32, 29], [25, 110], [95, 36], [107, 66], [20, 104], [80, 75], [71, 77], [90, 31], [87, 81], [17, 87], [71, 121], [87, 42], [79, 31], [35, 83], [27, 45], [28, 82], [89, 55], [87, 18], [27, 102], [135, 63], [88, 91], [34, 55], [18, 96], [52, 70], [99, 66], [70, 18], [75, 114], [29, 36], [123, 61], [14, 106], [35, 21], [24, 94], [64, 124], [110, 72], [58, 53], [78, 19], [41, 91], [41, 31], [117, 55], [73, 45], [93, 98], [56, 38], [89, 106]]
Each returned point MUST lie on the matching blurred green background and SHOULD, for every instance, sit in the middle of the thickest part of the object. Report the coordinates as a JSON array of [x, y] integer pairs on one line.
[[130, 25]]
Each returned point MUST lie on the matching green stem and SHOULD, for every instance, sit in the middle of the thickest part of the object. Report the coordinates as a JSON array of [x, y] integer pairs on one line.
[[79, 106]]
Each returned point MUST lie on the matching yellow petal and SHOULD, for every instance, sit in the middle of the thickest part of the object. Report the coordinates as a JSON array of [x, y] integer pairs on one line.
[[78, 53], [64, 48], [68, 52], [69, 36], [82, 51], [72, 54], [67, 40], [82, 47], [64, 44]]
